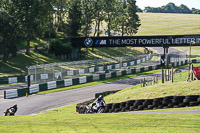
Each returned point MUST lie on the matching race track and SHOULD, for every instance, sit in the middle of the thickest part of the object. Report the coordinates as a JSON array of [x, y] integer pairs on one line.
[[36, 103]]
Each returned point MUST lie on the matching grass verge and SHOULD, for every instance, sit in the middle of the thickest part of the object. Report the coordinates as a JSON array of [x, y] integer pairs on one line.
[[65, 120], [159, 90]]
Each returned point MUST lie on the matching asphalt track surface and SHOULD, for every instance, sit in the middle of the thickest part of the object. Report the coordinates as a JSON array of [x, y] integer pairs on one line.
[[34, 104]]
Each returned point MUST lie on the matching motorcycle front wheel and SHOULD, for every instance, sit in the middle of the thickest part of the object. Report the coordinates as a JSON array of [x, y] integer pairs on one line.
[[101, 110]]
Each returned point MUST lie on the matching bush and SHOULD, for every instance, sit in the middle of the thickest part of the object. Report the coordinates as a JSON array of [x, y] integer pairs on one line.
[[58, 48]]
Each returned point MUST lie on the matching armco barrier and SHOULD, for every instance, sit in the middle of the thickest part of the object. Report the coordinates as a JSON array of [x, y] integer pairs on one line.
[[17, 79], [147, 104], [75, 81], [80, 80], [10, 94]]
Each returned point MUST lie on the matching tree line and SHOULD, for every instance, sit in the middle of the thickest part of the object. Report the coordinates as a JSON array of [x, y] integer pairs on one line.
[[171, 8], [26, 20]]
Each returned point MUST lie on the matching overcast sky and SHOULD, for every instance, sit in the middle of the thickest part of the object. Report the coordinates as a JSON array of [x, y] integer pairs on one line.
[[159, 3]]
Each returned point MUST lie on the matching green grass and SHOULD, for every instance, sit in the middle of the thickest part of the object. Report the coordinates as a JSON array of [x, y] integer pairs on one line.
[[22, 45], [101, 53], [195, 54], [168, 24], [180, 87], [65, 120], [17, 65], [159, 90]]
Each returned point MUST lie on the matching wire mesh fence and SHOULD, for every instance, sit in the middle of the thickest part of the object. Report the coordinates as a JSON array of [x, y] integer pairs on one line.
[[178, 56], [58, 71]]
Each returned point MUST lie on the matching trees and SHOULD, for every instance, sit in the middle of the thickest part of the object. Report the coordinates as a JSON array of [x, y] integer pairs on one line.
[[184, 9], [34, 18], [127, 19], [25, 20], [134, 21], [110, 15], [195, 11], [98, 15], [172, 8], [74, 18], [87, 8], [10, 26], [139, 9], [22, 20]]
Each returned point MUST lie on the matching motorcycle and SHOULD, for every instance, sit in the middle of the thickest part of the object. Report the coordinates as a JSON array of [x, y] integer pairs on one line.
[[98, 107], [11, 111]]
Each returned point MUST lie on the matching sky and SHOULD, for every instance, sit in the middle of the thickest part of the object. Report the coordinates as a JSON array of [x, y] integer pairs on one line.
[[158, 3]]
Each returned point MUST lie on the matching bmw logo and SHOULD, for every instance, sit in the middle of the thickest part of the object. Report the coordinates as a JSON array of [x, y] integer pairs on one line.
[[88, 42]]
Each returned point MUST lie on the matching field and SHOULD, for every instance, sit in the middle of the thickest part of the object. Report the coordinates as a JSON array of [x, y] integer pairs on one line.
[[168, 24], [66, 121]]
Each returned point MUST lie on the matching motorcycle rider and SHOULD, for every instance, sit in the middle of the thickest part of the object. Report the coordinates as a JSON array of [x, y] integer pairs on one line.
[[97, 107], [99, 102], [11, 111]]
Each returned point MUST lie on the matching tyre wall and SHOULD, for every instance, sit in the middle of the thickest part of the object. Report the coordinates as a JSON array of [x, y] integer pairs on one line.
[[151, 104]]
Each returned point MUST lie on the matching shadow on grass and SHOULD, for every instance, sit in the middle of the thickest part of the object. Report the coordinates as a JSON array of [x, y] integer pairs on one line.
[[18, 65]]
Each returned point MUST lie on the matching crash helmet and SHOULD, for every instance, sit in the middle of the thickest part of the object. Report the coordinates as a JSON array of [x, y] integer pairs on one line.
[[12, 110], [15, 106]]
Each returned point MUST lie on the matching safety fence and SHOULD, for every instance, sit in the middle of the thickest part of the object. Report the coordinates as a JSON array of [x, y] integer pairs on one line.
[[74, 81], [146, 104], [57, 71], [43, 77], [82, 79], [60, 71]]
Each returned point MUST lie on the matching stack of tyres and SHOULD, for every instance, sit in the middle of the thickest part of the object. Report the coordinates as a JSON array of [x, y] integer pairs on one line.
[[167, 102], [158, 103], [177, 101], [129, 105], [123, 107], [116, 107], [147, 103], [137, 105], [108, 108], [191, 100], [80, 107]]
